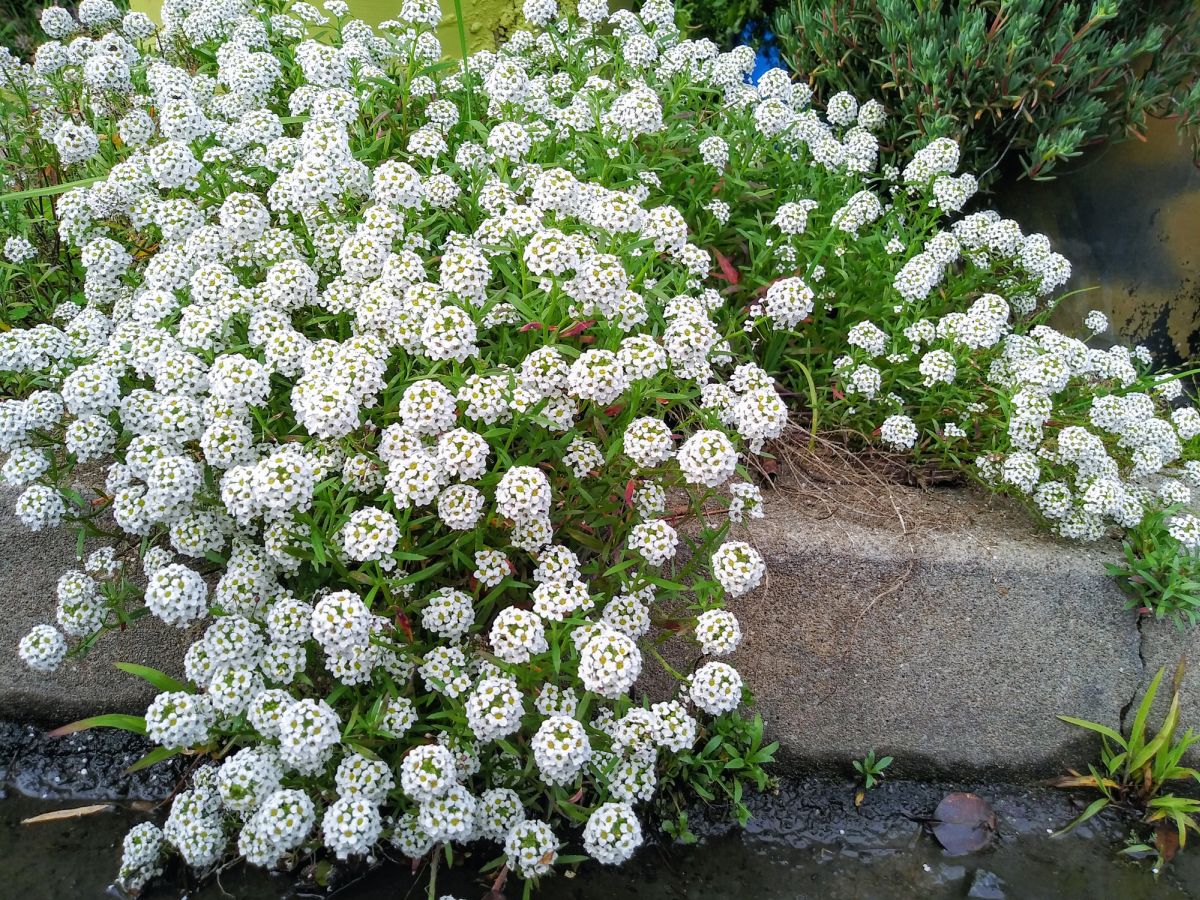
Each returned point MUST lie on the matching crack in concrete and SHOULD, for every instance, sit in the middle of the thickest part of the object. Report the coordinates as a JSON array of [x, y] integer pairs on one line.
[[1141, 679]]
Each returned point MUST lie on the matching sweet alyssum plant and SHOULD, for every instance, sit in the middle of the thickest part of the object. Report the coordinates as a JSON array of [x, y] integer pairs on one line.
[[411, 372], [399, 375], [901, 318]]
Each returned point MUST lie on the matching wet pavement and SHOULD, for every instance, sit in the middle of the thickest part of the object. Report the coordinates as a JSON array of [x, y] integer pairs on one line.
[[1128, 218], [807, 840]]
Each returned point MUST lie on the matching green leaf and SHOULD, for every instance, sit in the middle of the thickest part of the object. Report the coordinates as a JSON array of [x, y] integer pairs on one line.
[[1094, 808], [51, 190], [160, 680], [1139, 723], [422, 575], [157, 755], [134, 724], [1098, 728], [766, 754], [317, 543]]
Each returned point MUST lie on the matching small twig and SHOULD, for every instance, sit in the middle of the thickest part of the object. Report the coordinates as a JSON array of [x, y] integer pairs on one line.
[[501, 878]]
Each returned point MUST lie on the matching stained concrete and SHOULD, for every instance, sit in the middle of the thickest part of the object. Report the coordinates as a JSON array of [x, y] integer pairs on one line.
[[932, 625], [1164, 645], [944, 632]]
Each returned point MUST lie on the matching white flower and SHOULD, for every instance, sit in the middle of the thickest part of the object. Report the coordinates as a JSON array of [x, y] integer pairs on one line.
[[560, 749], [612, 833], [789, 302], [494, 708], [279, 825], [655, 541], [43, 649], [516, 635], [708, 458], [1096, 322], [141, 849], [177, 595], [498, 812], [716, 688], [1185, 528], [738, 567], [341, 622], [370, 534], [308, 732], [531, 848], [718, 632], [179, 719], [523, 494], [427, 771], [351, 826], [609, 663], [899, 432], [448, 613]]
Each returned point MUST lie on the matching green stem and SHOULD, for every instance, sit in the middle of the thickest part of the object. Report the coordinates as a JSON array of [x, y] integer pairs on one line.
[[433, 872], [666, 665]]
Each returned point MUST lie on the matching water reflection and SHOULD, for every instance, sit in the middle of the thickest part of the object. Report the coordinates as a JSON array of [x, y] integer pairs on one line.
[[1128, 218]]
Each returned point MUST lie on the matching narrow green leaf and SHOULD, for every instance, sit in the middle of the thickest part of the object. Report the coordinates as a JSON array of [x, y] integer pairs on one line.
[[160, 680], [157, 755], [134, 724], [50, 190], [1094, 808], [1098, 728]]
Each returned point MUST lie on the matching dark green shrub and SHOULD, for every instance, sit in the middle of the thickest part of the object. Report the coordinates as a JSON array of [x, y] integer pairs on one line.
[[19, 28], [723, 20], [1035, 80]]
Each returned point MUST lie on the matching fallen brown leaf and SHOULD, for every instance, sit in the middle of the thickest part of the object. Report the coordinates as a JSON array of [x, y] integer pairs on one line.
[[963, 823], [1166, 841], [59, 815]]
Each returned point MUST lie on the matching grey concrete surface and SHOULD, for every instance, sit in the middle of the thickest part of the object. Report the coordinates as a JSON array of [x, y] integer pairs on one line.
[[1164, 644], [932, 625], [947, 634], [30, 566]]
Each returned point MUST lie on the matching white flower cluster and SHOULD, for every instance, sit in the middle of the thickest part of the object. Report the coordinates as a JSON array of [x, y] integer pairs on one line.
[[384, 424], [937, 345]]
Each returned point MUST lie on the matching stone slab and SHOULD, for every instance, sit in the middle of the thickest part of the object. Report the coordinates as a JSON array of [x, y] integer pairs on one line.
[[1164, 644], [932, 625], [948, 635]]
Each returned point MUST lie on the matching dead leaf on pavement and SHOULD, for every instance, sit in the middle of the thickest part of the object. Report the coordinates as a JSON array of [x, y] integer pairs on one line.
[[1166, 841], [963, 823], [59, 815]]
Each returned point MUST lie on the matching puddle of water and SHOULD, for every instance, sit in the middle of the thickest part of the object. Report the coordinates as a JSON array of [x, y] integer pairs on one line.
[[823, 853], [1128, 218]]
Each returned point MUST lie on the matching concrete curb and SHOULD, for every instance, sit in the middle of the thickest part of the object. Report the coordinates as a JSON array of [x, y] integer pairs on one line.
[[935, 626], [947, 634]]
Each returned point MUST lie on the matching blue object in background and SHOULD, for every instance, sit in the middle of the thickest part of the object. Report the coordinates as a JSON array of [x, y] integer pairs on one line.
[[766, 56]]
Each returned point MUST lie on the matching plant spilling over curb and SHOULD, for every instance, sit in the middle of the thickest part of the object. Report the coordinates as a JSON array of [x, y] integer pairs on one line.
[[421, 402], [409, 413], [869, 292], [1041, 81]]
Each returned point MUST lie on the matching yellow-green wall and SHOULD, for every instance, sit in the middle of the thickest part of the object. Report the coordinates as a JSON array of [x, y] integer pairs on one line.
[[484, 18]]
